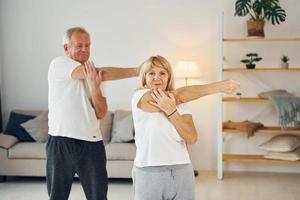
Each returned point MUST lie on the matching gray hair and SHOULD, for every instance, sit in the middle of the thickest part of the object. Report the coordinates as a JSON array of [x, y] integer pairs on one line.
[[68, 33]]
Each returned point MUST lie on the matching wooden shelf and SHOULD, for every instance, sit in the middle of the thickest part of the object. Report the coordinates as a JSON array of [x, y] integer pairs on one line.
[[267, 130], [245, 158], [246, 100], [261, 69], [258, 39]]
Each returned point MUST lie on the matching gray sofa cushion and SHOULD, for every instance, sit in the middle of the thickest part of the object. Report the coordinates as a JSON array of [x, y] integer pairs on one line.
[[120, 151], [106, 125], [114, 151], [28, 150], [123, 129]]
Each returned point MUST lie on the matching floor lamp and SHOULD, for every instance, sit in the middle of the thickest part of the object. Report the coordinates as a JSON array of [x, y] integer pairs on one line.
[[187, 70]]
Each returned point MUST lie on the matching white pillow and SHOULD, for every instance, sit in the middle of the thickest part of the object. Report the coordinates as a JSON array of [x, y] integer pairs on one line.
[[292, 156], [281, 143], [38, 127]]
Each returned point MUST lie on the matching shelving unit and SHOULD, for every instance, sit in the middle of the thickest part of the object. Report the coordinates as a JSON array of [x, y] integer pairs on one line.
[[241, 158], [246, 158], [266, 130], [246, 100], [296, 39], [262, 69]]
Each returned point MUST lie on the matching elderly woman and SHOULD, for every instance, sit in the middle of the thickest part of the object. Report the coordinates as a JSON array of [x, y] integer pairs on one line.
[[163, 126]]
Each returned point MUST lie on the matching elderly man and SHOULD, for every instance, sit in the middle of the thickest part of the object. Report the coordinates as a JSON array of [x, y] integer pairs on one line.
[[76, 104]]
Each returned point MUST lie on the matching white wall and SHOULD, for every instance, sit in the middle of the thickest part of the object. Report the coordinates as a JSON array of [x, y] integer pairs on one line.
[[124, 33]]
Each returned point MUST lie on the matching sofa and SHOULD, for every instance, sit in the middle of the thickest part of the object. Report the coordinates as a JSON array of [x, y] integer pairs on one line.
[[23, 158]]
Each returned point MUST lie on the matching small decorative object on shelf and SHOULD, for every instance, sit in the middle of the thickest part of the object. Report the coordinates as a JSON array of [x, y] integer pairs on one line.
[[253, 57], [238, 95], [259, 11], [285, 62]]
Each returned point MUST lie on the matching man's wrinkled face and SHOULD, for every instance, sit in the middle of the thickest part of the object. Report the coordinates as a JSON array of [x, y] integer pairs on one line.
[[79, 47]]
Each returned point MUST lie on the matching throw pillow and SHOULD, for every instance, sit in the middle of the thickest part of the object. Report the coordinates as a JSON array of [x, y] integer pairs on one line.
[[14, 126], [38, 127], [106, 126], [122, 130], [281, 143], [7, 141], [292, 156]]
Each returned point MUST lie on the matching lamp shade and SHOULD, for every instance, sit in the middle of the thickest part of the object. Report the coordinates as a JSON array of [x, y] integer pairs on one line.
[[186, 69]]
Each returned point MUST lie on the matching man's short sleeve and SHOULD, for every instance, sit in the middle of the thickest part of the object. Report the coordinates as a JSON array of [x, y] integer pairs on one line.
[[61, 68]]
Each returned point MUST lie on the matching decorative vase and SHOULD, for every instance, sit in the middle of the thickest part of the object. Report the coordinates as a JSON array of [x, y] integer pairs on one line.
[[256, 28], [250, 66]]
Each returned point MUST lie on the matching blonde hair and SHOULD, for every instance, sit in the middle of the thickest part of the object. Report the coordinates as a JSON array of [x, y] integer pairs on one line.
[[156, 61], [68, 33]]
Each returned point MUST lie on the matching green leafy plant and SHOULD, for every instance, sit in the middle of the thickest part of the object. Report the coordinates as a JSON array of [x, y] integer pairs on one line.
[[285, 59], [260, 10], [253, 57]]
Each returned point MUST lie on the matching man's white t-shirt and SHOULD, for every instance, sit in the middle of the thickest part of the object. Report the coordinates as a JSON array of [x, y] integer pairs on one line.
[[70, 111], [157, 140]]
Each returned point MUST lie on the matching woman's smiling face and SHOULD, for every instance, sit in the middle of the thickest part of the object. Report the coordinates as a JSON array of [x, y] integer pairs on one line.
[[157, 78]]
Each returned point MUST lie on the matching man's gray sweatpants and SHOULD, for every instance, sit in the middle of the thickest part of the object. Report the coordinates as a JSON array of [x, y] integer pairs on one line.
[[67, 156], [173, 182]]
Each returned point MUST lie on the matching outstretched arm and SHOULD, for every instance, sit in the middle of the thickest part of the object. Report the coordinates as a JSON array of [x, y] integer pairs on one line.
[[116, 73], [190, 93], [108, 73]]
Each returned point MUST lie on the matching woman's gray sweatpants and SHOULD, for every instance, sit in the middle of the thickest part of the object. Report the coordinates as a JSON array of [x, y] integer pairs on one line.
[[173, 182], [67, 156]]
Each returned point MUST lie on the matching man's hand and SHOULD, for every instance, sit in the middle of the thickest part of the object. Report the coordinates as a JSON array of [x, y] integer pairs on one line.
[[165, 101], [92, 76], [94, 79]]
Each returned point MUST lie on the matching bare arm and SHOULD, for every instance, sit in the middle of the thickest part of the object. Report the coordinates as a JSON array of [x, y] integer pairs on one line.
[[108, 73], [116, 73], [93, 79], [190, 93], [185, 127], [99, 104]]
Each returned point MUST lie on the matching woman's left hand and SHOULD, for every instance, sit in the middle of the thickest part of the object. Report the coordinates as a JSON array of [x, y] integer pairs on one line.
[[165, 101]]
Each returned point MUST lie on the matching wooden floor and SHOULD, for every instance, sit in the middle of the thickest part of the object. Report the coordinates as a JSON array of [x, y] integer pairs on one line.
[[235, 186], [248, 186]]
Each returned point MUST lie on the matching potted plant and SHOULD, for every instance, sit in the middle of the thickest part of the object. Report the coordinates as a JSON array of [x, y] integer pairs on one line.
[[259, 11], [253, 57], [285, 62]]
